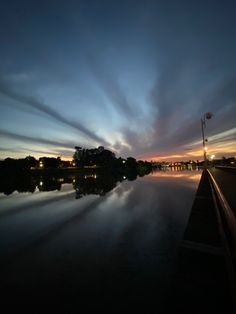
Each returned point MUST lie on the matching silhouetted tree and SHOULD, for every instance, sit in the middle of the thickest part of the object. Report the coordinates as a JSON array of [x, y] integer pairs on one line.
[[48, 162]]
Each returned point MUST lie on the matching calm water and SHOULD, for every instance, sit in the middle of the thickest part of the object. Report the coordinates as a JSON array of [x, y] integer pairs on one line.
[[93, 241]]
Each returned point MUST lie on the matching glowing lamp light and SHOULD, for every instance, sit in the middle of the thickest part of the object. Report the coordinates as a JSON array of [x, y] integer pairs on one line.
[[212, 157], [124, 177]]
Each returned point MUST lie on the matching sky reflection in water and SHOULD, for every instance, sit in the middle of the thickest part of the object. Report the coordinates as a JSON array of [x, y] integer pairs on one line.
[[104, 246]]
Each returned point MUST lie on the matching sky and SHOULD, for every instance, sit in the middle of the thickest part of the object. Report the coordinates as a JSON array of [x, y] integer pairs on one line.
[[133, 76]]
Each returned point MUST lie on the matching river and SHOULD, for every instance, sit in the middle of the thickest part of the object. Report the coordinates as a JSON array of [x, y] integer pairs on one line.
[[93, 242]]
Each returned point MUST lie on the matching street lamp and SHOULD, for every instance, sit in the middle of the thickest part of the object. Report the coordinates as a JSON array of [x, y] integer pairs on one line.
[[206, 116]]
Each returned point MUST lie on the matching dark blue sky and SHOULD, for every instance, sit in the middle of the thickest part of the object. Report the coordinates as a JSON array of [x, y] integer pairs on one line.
[[134, 76]]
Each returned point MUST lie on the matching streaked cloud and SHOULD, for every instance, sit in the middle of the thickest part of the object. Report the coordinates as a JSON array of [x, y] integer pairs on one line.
[[34, 140], [34, 103], [89, 56]]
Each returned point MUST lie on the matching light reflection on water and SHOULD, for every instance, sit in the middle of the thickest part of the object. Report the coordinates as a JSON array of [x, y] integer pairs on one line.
[[120, 243], [186, 174]]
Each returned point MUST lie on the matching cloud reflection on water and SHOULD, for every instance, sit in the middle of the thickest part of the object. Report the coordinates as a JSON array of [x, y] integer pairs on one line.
[[120, 244]]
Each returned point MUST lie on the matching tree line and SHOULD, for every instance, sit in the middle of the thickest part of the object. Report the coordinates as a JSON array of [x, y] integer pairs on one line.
[[82, 158]]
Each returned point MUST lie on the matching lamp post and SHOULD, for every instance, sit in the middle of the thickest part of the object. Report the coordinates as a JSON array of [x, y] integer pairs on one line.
[[206, 116]]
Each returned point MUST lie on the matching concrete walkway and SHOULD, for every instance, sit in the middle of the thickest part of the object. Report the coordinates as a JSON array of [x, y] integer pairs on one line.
[[226, 180], [200, 283]]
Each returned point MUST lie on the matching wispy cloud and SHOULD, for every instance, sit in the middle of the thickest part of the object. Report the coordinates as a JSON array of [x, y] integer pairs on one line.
[[34, 140], [106, 77], [110, 85], [222, 136], [177, 110], [34, 103]]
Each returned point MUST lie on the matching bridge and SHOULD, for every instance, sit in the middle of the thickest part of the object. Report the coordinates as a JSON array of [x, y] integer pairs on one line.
[[205, 274]]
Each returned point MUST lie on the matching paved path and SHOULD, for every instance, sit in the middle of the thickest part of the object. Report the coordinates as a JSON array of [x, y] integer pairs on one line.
[[226, 180], [200, 282]]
